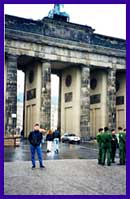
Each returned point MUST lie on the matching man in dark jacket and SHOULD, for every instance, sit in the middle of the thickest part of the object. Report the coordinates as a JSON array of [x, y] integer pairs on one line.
[[35, 138], [114, 142]]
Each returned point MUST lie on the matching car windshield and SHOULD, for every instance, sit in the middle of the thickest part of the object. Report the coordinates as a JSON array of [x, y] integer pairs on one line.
[[65, 134], [71, 135]]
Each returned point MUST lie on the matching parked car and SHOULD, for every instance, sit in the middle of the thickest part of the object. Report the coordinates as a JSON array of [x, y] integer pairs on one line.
[[70, 138]]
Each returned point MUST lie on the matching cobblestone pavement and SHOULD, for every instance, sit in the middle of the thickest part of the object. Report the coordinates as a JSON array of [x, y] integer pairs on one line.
[[65, 177]]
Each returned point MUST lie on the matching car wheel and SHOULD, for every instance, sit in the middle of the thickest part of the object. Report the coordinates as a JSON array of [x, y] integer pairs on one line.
[[78, 142]]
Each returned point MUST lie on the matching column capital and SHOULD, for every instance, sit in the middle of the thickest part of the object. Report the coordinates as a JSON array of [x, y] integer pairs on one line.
[[114, 60], [46, 66], [84, 66], [11, 57], [111, 69], [43, 61]]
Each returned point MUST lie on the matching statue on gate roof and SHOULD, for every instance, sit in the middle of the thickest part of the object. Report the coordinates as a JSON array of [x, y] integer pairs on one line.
[[56, 11], [57, 8]]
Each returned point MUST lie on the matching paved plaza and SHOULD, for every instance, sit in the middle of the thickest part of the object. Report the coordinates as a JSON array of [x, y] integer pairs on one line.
[[68, 176]]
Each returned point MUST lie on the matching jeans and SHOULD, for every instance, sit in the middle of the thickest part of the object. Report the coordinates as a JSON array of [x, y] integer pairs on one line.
[[39, 153], [56, 144]]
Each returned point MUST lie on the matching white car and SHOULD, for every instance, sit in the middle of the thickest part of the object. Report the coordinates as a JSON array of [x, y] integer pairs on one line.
[[70, 138]]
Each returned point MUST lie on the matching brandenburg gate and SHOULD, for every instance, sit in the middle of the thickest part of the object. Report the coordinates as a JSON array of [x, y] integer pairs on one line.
[[91, 69]]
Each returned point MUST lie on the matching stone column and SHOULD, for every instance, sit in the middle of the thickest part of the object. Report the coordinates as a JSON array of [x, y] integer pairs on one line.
[[11, 94], [24, 107], [85, 103], [59, 102], [111, 98], [46, 96]]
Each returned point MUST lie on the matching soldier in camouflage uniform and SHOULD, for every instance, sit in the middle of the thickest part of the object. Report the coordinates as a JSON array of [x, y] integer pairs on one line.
[[122, 146], [100, 131], [106, 138]]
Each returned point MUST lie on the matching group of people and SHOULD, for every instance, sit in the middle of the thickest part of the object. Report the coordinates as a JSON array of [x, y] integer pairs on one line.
[[108, 141], [35, 138], [53, 138]]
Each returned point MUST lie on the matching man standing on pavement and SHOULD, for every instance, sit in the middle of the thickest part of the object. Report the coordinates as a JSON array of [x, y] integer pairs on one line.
[[122, 146], [35, 138], [100, 131], [114, 143], [106, 138]]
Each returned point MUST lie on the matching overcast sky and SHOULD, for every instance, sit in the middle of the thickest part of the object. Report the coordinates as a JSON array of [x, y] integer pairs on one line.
[[106, 19]]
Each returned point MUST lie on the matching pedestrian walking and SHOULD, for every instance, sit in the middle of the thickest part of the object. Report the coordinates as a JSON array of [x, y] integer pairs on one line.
[[49, 139], [56, 139], [35, 138], [106, 138], [100, 131], [122, 146], [114, 143]]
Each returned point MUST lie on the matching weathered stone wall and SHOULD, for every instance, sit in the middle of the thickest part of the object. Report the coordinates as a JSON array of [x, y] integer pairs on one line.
[[121, 99], [66, 53], [62, 30], [32, 96], [111, 98], [85, 102], [98, 100], [11, 93], [46, 96]]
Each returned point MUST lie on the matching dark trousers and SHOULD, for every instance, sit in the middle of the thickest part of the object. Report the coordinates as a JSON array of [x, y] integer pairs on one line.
[[100, 155], [39, 153], [113, 153]]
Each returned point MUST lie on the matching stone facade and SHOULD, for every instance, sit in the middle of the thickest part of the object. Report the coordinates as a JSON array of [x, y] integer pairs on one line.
[[111, 98], [62, 30], [57, 47], [46, 96], [85, 102], [11, 93]]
